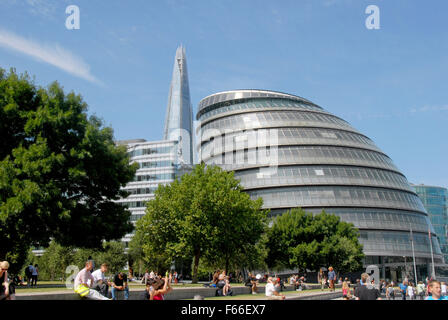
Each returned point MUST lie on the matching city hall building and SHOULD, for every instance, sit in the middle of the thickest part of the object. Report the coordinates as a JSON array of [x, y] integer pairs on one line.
[[293, 153]]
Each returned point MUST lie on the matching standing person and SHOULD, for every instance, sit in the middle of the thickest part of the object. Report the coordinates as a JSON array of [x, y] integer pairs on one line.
[[160, 288], [145, 277], [366, 291], [331, 278], [320, 277], [100, 283], [356, 286], [29, 274], [421, 290], [435, 290], [131, 275], [82, 286], [443, 288], [34, 275], [270, 291], [390, 292], [323, 280], [403, 289], [176, 277], [381, 286], [120, 283], [411, 291]]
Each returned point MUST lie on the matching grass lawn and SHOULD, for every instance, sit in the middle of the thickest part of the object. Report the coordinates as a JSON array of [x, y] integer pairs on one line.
[[132, 285], [29, 290]]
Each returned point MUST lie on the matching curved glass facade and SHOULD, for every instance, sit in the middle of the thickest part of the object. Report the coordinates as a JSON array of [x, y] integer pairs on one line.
[[321, 163]]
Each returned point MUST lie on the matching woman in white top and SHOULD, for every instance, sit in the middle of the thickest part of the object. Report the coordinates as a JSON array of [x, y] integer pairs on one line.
[[271, 293], [411, 291], [443, 288]]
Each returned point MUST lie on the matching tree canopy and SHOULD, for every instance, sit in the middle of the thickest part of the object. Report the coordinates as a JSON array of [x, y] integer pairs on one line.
[[206, 214], [60, 171], [56, 258], [300, 240]]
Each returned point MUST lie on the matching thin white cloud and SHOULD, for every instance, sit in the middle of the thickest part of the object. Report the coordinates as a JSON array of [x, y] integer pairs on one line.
[[50, 53], [430, 108], [42, 7]]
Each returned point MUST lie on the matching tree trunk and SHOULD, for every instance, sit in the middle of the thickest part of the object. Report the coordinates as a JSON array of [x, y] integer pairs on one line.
[[197, 255]]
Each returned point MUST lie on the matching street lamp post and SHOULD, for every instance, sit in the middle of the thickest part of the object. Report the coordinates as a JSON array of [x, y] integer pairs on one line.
[[405, 268], [413, 257]]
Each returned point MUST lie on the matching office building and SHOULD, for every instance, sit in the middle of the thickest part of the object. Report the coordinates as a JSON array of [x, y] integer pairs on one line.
[[293, 153]]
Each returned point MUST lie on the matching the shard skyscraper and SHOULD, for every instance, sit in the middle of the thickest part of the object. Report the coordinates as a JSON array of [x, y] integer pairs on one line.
[[179, 119]]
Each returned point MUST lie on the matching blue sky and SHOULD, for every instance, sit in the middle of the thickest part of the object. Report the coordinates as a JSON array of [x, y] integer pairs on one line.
[[390, 84]]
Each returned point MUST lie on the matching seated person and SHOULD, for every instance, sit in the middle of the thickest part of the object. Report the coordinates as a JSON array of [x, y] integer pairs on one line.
[[271, 293], [160, 288], [149, 288], [101, 284], [223, 286], [120, 283], [6, 290], [18, 281]]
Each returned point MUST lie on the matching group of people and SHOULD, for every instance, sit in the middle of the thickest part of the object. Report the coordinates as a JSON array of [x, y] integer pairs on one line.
[[152, 275], [365, 289], [409, 290], [31, 274], [7, 288], [327, 280], [157, 287], [297, 282], [94, 285], [221, 281]]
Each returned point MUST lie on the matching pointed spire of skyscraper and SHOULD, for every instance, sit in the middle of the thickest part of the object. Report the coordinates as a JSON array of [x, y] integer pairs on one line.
[[179, 115]]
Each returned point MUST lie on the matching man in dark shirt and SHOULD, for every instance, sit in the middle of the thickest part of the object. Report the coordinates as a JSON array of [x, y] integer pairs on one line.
[[120, 284], [366, 291]]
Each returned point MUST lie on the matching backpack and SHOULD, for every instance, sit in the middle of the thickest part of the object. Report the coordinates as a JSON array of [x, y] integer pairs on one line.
[[28, 272]]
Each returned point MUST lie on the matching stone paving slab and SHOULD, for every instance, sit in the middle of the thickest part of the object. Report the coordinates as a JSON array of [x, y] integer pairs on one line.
[[185, 293]]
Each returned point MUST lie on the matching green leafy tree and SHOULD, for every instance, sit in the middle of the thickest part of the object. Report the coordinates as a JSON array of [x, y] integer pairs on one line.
[[113, 254], [81, 255], [59, 171], [148, 256], [205, 213], [54, 261], [305, 241]]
